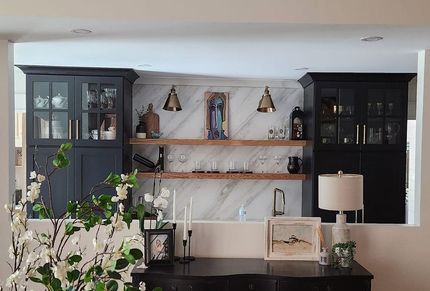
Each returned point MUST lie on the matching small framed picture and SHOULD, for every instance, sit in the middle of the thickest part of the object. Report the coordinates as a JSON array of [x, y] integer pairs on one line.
[[159, 247], [292, 238], [216, 115]]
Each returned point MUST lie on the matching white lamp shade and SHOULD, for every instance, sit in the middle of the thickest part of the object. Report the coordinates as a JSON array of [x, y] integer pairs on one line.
[[340, 192]]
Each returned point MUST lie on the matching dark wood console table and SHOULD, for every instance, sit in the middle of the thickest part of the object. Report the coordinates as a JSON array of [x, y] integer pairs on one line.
[[207, 274]]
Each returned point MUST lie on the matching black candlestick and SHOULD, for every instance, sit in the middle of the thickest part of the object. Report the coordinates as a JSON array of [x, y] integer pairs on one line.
[[190, 257], [184, 258], [174, 240]]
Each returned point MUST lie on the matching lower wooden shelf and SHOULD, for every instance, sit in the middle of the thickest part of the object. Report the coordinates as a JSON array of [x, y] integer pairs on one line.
[[223, 176]]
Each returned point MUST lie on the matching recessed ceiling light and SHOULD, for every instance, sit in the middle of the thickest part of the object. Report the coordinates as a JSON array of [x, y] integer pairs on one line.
[[81, 31], [372, 38], [302, 69], [145, 65]]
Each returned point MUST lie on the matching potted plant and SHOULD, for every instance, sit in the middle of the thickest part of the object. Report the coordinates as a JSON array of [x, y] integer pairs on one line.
[[343, 254]]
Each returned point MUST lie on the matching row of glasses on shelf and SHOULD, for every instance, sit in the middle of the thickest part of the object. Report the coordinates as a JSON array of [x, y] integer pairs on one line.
[[233, 165], [278, 132]]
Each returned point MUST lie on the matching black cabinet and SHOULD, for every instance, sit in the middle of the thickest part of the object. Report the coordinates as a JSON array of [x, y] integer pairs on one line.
[[357, 123], [216, 274], [88, 107]]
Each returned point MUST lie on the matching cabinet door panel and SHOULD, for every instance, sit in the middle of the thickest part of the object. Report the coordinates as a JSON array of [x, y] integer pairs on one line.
[[330, 162], [50, 109], [252, 285], [187, 285], [384, 186], [62, 182], [92, 166], [307, 284]]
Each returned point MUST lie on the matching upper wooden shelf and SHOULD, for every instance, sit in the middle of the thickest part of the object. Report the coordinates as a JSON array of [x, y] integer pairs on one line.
[[229, 142], [223, 176]]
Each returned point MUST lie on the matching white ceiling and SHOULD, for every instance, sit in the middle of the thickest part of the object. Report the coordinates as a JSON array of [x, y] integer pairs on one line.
[[267, 51]]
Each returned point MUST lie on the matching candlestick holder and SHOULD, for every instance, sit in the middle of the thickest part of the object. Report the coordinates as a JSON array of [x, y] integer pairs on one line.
[[176, 258], [184, 260], [190, 257]]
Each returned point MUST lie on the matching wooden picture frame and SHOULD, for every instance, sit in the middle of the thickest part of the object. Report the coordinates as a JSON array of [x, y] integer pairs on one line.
[[292, 238], [216, 115], [159, 247]]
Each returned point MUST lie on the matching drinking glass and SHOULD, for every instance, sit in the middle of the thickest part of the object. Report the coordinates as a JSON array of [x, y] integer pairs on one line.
[[182, 159], [214, 166], [277, 161], [262, 159], [281, 132], [197, 166], [245, 166], [170, 159], [232, 166], [271, 132]]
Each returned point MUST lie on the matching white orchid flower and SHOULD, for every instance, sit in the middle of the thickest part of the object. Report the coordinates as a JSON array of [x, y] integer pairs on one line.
[[34, 191], [165, 193], [11, 253], [14, 279], [115, 199], [40, 178], [117, 222], [122, 192], [75, 240], [148, 197], [31, 258], [98, 245], [124, 178], [142, 286], [60, 270], [160, 202], [121, 208], [33, 175]]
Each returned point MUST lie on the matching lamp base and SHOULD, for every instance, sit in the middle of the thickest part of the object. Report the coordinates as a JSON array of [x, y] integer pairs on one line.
[[340, 232]]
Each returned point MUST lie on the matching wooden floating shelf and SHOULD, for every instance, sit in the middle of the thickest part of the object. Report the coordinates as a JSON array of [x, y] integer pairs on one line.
[[229, 142], [223, 176]]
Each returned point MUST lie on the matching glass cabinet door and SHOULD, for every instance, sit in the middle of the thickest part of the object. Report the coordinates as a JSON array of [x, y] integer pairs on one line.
[[51, 108], [338, 116], [98, 111], [385, 113]]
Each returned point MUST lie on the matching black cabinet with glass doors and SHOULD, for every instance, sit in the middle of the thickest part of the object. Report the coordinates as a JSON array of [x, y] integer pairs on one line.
[[88, 107], [357, 123]]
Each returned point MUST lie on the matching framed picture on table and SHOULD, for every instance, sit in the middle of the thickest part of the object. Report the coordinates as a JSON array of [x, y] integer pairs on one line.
[[159, 247], [292, 238]]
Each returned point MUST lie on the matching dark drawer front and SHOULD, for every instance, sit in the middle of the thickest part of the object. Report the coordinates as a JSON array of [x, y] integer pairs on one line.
[[187, 285], [252, 285], [325, 285]]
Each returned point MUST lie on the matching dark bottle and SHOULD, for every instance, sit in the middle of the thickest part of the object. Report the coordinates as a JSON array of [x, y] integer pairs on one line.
[[140, 128], [294, 166], [297, 125], [161, 157]]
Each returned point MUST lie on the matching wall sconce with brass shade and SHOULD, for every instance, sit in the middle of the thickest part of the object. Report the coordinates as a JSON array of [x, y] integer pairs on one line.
[[172, 102], [266, 103]]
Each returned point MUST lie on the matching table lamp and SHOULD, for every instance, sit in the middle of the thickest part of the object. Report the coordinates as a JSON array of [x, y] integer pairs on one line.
[[340, 192]]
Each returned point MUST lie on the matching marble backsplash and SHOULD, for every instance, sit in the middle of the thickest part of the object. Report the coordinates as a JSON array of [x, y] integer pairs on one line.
[[221, 199]]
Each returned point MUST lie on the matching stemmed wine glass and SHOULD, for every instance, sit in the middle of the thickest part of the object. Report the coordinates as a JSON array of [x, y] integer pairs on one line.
[[262, 159], [277, 160], [182, 159], [170, 159]]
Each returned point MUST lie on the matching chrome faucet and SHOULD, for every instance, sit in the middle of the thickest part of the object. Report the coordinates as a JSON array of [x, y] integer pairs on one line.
[[277, 212]]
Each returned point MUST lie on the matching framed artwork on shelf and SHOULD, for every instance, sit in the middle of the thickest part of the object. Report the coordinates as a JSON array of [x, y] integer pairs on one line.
[[159, 247], [292, 238], [216, 115]]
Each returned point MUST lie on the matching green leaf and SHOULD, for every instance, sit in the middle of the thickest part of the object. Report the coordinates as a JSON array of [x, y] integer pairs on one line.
[[66, 147], [114, 275], [73, 275], [128, 218], [88, 275], [37, 207], [140, 209], [112, 285], [121, 264], [129, 259], [136, 253], [56, 284], [98, 269], [72, 206], [37, 280], [56, 163], [74, 259], [100, 286], [69, 228]]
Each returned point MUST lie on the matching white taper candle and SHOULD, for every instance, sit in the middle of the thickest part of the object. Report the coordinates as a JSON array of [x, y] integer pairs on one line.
[[174, 205], [185, 224], [190, 222]]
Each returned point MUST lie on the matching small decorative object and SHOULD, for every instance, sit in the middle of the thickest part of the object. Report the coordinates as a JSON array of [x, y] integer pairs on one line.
[[289, 238], [159, 247], [343, 254], [172, 101], [152, 122], [140, 127], [294, 166], [324, 257], [340, 192], [242, 213], [92, 98], [297, 124], [216, 115], [190, 232], [184, 259], [266, 103], [59, 102]]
